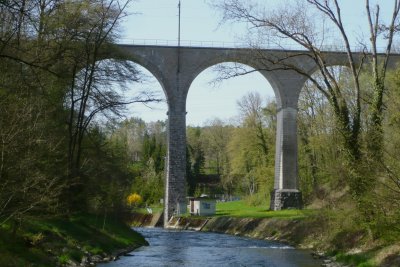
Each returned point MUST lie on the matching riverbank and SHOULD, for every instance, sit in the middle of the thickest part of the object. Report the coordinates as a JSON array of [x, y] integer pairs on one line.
[[350, 247], [81, 240], [316, 231]]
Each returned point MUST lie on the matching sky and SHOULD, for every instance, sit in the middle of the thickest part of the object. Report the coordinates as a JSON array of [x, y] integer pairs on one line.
[[156, 21]]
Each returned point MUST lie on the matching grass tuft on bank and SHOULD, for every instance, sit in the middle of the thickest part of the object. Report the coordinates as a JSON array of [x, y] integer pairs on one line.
[[58, 241]]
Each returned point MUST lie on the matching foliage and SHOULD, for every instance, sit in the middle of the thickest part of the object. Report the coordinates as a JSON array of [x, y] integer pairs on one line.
[[61, 237], [57, 87], [63, 259], [149, 185], [356, 104], [356, 260], [134, 200], [238, 160], [195, 158]]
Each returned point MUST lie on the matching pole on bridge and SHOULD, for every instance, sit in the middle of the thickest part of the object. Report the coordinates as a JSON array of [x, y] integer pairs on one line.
[[179, 34], [175, 183]]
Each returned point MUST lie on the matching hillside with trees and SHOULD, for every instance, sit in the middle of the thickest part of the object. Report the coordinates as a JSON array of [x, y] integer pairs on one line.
[[58, 84]]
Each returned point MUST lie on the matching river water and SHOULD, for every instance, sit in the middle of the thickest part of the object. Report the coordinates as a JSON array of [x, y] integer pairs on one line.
[[188, 248]]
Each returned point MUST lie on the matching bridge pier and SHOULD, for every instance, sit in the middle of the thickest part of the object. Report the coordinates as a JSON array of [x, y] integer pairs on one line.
[[175, 180], [285, 194]]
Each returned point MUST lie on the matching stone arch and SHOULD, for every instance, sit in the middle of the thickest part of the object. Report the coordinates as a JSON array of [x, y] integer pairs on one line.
[[203, 97], [210, 61], [151, 66], [266, 78], [153, 70], [115, 57], [335, 59], [150, 70]]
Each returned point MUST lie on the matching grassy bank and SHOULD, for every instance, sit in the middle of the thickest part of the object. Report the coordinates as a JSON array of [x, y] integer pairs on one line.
[[61, 241], [337, 233]]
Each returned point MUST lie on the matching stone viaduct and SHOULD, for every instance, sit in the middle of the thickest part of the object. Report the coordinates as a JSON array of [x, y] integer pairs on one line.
[[176, 67]]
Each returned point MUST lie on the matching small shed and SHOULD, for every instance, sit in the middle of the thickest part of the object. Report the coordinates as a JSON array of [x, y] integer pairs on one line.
[[202, 206]]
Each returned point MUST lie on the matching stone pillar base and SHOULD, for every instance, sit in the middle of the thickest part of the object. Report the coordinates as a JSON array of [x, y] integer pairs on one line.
[[286, 199]]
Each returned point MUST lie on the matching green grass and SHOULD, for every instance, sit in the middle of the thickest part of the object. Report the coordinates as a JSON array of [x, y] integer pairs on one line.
[[155, 209], [358, 260], [46, 242], [243, 210]]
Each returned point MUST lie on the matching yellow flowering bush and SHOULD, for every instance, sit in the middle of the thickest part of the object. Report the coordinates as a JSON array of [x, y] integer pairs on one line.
[[134, 199]]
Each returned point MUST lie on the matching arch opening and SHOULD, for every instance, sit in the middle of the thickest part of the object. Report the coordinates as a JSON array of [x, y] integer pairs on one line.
[[116, 90], [148, 86], [145, 129], [136, 123], [231, 118], [218, 87]]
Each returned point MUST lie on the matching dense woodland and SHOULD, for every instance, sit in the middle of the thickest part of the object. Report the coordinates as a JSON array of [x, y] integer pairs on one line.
[[66, 145]]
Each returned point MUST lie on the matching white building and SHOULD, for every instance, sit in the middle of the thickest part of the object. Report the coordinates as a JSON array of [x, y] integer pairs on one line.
[[202, 206]]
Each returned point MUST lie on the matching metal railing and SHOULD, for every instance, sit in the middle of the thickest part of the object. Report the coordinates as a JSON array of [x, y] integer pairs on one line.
[[222, 44], [160, 42]]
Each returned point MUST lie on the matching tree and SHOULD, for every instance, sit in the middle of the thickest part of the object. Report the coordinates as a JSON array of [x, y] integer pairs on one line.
[[57, 86], [389, 184], [29, 182], [319, 153], [87, 30], [216, 136], [251, 108], [298, 24], [379, 70], [250, 148], [195, 158], [131, 133]]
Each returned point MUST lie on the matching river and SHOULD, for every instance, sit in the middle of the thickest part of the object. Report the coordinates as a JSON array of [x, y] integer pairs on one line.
[[188, 248]]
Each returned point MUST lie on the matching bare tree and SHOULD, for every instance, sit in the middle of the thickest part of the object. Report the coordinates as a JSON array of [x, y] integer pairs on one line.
[[298, 25], [93, 79], [27, 152], [251, 107], [379, 70]]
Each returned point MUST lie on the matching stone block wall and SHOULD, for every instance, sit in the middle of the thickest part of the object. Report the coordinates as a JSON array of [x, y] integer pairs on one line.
[[286, 199]]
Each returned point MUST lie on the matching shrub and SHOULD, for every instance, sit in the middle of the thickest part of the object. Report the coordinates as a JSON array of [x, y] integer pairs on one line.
[[134, 200]]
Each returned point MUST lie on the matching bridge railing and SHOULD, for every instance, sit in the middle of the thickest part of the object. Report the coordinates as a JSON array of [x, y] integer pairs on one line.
[[220, 44], [160, 42]]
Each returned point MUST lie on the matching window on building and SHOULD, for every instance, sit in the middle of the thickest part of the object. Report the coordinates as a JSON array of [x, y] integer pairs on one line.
[[206, 206]]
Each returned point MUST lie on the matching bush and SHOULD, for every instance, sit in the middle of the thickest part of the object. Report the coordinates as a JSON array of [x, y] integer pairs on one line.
[[134, 200], [257, 199], [63, 259]]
